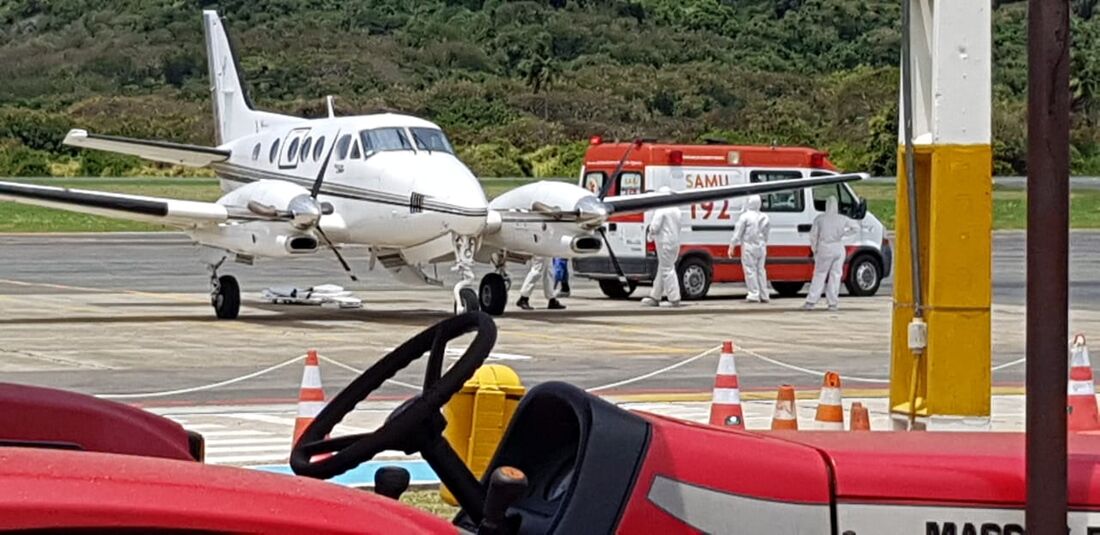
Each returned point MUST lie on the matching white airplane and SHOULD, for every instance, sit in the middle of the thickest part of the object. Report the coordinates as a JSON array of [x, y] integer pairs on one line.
[[293, 186]]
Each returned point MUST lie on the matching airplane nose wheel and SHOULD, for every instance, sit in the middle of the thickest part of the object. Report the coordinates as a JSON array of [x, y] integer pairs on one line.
[[226, 297], [493, 292]]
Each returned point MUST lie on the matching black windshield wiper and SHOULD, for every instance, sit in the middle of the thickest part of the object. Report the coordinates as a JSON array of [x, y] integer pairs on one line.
[[423, 145]]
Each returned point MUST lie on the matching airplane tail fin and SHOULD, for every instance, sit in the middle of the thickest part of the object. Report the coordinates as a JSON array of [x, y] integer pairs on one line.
[[234, 115]]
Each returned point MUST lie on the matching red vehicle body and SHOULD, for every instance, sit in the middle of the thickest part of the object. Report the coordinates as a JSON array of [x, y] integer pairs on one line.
[[707, 227], [592, 467]]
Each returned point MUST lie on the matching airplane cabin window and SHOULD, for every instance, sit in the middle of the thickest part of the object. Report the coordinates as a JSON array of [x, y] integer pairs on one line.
[[305, 148], [356, 154], [342, 145], [318, 148], [256, 152], [432, 140], [384, 139], [274, 151], [292, 150]]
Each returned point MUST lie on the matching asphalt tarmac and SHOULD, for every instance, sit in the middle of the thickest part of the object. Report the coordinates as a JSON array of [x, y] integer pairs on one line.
[[130, 314]]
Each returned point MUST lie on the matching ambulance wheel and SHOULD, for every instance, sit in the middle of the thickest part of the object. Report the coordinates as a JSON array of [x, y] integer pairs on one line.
[[695, 278], [227, 298], [493, 293], [788, 289], [864, 276], [469, 301], [614, 288]]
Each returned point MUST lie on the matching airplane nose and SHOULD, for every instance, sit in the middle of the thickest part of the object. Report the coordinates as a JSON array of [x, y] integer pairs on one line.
[[453, 188]]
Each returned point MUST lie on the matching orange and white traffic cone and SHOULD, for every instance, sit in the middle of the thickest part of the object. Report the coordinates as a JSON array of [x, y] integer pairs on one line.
[[830, 410], [786, 414], [1081, 392], [725, 407], [311, 397], [861, 418]]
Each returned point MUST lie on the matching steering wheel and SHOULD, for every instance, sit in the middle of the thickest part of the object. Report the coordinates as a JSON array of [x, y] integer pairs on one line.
[[415, 426]]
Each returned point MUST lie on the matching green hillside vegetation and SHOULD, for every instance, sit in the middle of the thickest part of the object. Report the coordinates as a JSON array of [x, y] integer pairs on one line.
[[518, 85]]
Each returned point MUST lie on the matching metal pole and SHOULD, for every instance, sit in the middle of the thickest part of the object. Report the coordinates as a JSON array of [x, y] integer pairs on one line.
[[1047, 264], [910, 158], [911, 191]]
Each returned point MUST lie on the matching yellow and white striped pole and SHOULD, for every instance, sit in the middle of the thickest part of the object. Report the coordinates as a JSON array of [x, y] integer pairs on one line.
[[947, 384]]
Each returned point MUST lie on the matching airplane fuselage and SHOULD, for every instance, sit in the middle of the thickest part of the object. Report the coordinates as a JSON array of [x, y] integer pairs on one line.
[[393, 180]]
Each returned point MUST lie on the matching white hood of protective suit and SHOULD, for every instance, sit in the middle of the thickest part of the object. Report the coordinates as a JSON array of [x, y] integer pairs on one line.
[[753, 226], [829, 227]]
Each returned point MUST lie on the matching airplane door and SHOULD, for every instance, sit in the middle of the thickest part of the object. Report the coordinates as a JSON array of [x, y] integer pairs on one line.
[[292, 146]]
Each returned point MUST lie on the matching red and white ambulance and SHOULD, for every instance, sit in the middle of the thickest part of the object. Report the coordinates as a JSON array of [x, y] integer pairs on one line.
[[707, 227]]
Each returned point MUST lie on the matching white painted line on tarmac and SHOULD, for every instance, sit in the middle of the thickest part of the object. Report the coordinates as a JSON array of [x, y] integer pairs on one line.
[[285, 449], [236, 433], [249, 441], [244, 459], [263, 418], [200, 427]]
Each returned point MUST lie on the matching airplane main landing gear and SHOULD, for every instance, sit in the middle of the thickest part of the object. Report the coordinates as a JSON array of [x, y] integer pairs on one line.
[[225, 294], [494, 294]]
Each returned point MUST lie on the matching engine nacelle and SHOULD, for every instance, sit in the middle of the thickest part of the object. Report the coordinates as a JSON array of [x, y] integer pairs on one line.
[[258, 238], [510, 230], [274, 193], [559, 195], [544, 239]]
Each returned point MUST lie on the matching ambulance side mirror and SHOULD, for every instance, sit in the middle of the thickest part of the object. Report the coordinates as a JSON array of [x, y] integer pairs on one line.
[[860, 210]]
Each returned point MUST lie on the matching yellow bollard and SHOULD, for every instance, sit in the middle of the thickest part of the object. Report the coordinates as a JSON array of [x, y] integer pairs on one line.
[[478, 415]]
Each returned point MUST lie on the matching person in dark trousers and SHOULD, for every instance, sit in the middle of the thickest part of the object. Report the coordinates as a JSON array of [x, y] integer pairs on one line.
[[542, 269]]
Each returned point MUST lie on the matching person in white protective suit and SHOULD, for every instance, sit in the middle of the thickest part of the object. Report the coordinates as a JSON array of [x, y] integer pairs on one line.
[[664, 232], [542, 268], [827, 244], [751, 233]]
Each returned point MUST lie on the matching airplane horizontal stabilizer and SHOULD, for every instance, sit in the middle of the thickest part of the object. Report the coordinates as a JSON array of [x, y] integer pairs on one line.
[[157, 151]]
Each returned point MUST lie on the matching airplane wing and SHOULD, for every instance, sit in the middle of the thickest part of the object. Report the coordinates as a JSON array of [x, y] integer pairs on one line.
[[650, 201], [170, 212], [157, 151]]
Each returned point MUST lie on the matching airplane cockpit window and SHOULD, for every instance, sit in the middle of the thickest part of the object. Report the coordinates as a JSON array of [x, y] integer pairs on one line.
[[342, 145], [384, 139], [430, 139], [256, 152], [355, 152], [318, 148]]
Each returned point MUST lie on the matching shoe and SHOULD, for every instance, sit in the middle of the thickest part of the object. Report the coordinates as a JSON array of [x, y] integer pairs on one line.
[[650, 302], [563, 293], [675, 304], [765, 300], [524, 304], [752, 299], [555, 305], [834, 308], [808, 306]]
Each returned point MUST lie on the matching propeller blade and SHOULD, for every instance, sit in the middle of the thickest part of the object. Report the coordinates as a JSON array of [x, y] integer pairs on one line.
[[614, 259], [339, 256], [324, 167], [606, 187]]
